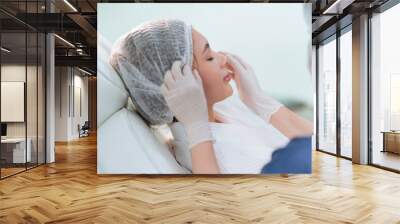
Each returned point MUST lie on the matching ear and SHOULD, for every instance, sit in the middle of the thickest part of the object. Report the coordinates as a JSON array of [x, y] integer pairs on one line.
[[194, 63]]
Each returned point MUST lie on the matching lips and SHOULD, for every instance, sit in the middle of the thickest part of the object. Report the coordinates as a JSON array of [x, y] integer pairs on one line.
[[227, 78]]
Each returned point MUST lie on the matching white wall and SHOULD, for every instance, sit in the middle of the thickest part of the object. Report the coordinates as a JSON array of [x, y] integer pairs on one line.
[[12, 73], [67, 80], [17, 73], [12, 101], [34, 125], [80, 83], [61, 103]]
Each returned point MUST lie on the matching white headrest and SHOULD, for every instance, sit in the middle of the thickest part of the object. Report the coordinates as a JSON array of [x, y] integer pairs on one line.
[[111, 92], [125, 145]]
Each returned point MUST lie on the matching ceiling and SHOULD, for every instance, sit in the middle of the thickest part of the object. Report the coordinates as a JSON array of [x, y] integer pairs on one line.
[[76, 22]]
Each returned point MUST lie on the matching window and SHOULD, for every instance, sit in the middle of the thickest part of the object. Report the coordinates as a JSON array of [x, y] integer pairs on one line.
[[327, 96], [346, 94], [385, 89], [23, 78]]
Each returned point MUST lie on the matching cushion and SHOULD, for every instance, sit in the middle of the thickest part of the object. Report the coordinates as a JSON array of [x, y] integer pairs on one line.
[[126, 145], [111, 92]]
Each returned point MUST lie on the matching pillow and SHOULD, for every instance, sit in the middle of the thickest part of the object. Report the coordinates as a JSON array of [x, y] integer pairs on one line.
[[126, 145], [111, 92]]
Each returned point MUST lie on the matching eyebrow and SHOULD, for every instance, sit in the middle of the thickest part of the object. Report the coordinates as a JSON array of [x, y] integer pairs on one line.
[[206, 47]]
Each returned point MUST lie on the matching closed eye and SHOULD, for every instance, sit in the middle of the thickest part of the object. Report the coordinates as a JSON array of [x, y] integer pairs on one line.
[[210, 59]]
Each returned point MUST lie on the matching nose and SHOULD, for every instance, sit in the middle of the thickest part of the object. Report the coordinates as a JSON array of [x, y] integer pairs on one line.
[[223, 59]]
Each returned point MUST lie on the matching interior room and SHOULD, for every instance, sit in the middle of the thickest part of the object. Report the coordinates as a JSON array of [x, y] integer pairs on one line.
[[51, 90], [22, 101]]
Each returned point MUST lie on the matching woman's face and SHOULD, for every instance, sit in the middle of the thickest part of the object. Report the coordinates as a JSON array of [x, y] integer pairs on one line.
[[212, 68]]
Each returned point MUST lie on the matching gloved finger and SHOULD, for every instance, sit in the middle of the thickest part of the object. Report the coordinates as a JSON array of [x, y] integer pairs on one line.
[[164, 90], [186, 70], [226, 56], [239, 59], [225, 52], [169, 80], [177, 70], [197, 77], [245, 64], [178, 144], [230, 68], [234, 63], [172, 144]]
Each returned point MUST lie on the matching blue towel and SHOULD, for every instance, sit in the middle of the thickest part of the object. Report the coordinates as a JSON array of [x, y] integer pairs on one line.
[[295, 157]]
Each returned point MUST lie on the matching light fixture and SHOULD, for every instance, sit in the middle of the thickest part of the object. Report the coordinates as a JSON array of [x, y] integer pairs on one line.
[[65, 41], [70, 5], [5, 50], [84, 71], [329, 9], [337, 7], [80, 51]]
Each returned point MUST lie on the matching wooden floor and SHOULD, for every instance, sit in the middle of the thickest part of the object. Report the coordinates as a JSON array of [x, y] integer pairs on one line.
[[387, 159], [10, 171], [70, 191]]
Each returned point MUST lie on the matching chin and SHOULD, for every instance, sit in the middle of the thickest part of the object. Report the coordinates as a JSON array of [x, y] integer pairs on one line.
[[228, 91]]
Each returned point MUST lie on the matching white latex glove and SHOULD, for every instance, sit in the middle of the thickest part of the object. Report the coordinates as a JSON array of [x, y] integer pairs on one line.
[[184, 94], [180, 145], [249, 90]]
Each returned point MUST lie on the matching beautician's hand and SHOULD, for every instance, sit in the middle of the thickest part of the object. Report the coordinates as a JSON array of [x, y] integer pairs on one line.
[[249, 90], [184, 94]]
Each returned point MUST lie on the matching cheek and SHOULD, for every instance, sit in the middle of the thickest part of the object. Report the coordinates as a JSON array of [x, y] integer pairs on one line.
[[210, 77], [215, 88], [209, 81], [210, 71]]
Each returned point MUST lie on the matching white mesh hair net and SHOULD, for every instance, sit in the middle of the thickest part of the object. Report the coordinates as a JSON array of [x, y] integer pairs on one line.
[[142, 56]]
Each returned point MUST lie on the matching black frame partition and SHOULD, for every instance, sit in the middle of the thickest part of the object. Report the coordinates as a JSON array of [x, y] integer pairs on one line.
[[334, 37], [28, 50]]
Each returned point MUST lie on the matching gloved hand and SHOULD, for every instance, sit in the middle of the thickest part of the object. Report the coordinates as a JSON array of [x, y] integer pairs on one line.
[[184, 94], [249, 90]]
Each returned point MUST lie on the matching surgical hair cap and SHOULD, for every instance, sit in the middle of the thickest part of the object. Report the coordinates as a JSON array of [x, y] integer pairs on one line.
[[142, 56]]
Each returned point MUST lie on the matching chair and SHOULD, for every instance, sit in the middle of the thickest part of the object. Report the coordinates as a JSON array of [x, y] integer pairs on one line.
[[84, 130]]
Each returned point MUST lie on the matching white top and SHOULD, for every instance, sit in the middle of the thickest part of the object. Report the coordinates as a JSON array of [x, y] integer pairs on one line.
[[244, 142]]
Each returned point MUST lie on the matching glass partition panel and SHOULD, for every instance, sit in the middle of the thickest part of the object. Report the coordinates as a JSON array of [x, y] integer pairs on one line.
[[22, 77], [327, 96], [41, 79], [14, 154], [346, 94], [385, 87], [31, 100]]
